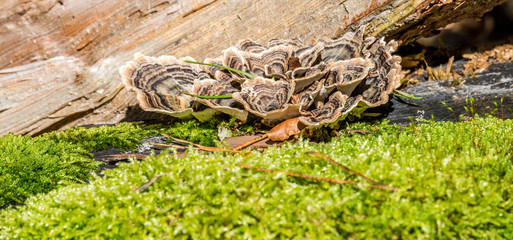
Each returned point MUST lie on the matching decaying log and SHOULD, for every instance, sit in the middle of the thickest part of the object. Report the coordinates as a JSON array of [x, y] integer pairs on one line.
[[59, 59], [491, 91]]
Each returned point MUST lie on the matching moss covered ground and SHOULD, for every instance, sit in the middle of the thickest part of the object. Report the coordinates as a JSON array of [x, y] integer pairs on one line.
[[453, 181], [30, 166]]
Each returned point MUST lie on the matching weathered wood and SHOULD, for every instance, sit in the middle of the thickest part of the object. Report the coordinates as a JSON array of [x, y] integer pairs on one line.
[[493, 86], [59, 60]]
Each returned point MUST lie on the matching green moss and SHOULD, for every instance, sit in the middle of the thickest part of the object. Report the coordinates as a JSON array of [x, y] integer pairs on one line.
[[31, 166], [37, 165], [127, 136], [124, 136], [455, 180]]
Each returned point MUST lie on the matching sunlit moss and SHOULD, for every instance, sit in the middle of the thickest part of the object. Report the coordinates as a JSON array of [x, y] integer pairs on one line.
[[454, 180], [38, 165], [128, 135]]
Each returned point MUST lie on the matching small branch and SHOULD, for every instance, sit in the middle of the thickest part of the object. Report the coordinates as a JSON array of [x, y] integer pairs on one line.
[[326, 158], [170, 145], [121, 157], [147, 184], [180, 140], [202, 148], [196, 146], [291, 174], [254, 140], [353, 131], [214, 149]]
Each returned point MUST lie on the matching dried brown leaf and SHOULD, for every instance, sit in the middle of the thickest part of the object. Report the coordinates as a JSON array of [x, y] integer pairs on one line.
[[284, 130]]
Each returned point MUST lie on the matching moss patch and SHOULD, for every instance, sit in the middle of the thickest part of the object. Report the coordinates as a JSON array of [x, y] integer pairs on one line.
[[455, 180], [127, 136], [36, 165]]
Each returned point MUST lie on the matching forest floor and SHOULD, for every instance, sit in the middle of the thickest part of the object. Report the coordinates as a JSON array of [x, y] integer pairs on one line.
[[427, 180], [438, 167]]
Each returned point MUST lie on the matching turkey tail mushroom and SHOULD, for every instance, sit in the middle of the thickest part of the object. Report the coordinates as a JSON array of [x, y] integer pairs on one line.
[[267, 98], [160, 82], [318, 84], [228, 106]]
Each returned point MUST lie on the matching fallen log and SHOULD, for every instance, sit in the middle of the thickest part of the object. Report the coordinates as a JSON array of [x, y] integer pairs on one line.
[[489, 92], [59, 59]]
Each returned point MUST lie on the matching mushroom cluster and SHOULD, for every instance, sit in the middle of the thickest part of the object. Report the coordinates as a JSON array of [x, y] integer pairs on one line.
[[318, 84]]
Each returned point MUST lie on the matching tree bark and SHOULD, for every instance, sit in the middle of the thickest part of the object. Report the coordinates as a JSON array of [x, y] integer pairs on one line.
[[491, 95], [59, 60]]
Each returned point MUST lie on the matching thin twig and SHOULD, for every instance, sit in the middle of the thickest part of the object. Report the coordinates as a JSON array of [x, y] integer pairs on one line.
[[199, 147], [170, 145], [196, 146], [291, 174], [180, 140], [254, 140], [121, 157], [344, 167], [147, 184], [214, 149]]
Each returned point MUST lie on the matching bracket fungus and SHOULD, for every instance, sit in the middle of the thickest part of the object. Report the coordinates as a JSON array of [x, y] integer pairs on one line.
[[318, 84]]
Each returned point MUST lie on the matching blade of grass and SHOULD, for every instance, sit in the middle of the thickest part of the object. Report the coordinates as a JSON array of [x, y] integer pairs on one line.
[[399, 93], [209, 97], [223, 67]]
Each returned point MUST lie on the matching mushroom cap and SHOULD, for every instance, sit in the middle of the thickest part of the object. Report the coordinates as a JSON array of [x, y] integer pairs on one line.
[[267, 98], [228, 106], [330, 111], [160, 82], [322, 83]]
